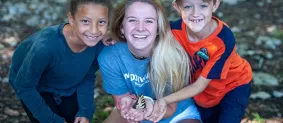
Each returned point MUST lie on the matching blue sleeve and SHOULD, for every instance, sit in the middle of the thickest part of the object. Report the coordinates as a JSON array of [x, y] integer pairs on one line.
[[113, 80], [85, 90], [85, 94], [37, 60]]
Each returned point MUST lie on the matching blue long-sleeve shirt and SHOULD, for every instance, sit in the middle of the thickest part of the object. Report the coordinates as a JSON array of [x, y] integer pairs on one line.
[[44, 62]]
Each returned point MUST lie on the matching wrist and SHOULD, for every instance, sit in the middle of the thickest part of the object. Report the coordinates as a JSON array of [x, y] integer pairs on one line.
[[166, 100], [149, 98]]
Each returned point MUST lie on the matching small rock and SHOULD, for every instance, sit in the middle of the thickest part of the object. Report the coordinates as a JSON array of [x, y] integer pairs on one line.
[[12, 41], [24, 114], [261, 78], [220, 14], [230, 2], [271, 28], [235, 29], [5, 80], [96, 93], [269, 55], [2, 46], [5, 116], [108, 109], [260, 4], [250, 33], [268, 42], [11, 112], [260, 95], [61, 1], [277, 94], [257, 16]]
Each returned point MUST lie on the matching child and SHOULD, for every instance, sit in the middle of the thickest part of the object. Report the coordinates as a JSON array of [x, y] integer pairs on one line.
[[53, 71], [221, 78], [146, 60]]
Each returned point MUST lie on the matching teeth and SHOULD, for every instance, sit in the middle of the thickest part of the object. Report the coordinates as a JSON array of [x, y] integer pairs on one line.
[[139, 36], [196, 21], [92, 37]]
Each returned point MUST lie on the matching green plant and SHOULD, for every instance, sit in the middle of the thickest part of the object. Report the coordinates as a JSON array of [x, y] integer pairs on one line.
[[258, 118], [102, 103]]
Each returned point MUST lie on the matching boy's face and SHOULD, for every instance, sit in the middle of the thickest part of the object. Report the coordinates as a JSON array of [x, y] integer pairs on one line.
[[196, 14]]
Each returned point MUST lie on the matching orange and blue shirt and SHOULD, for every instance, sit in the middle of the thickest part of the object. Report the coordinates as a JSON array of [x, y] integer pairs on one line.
[[214, 58]]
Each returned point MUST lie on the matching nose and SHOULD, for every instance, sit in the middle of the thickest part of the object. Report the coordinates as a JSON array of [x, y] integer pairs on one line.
[[140, 26], [195, 11], [94, 29]]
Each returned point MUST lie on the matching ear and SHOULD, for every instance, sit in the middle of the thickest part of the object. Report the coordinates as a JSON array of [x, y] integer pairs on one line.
[[122, 35], [176, 7], [216, 5], [122, 29], [70, 19]]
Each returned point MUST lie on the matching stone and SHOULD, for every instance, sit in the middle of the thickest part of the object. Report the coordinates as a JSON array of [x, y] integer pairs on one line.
[[2, 46], [96, 93], [260, 95], [11, 112], [261, 78], [277, 94], [5, 80], [230, 2], [12, 41]]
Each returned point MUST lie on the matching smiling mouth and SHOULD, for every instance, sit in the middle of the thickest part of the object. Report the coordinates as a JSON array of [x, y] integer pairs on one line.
[[196, 20], [140, 36], [92, 37]]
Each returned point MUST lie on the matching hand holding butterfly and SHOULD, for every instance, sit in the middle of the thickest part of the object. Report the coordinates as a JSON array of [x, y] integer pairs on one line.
[[134, 115]]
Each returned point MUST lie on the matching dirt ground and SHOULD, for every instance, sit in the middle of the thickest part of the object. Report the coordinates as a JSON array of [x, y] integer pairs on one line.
[[252, 19]]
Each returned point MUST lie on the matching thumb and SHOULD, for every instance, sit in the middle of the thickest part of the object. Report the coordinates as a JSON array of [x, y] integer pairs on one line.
[[149, 108], [123, 104]]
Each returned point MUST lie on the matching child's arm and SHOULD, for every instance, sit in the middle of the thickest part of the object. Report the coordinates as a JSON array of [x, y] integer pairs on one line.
[[25, 81], [168, 102], [85, 95], [189, 91]]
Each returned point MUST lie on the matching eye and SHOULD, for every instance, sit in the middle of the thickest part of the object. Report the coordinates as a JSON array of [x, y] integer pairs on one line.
[[203, 6], [132, 20], [187, 6], [85, 22], [102, 22], [148, 21]]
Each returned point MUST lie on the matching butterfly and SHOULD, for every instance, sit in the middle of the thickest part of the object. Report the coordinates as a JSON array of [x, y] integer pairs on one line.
[[140, 103]]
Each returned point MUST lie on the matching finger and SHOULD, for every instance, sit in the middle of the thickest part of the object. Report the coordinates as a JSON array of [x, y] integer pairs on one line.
[[77, 120], [83, 120], [154, 115], [139, 115], [135, 114], [157, 119], [149, 109]]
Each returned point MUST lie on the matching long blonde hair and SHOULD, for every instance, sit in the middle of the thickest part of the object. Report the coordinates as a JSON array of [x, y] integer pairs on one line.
[[169, 66]]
